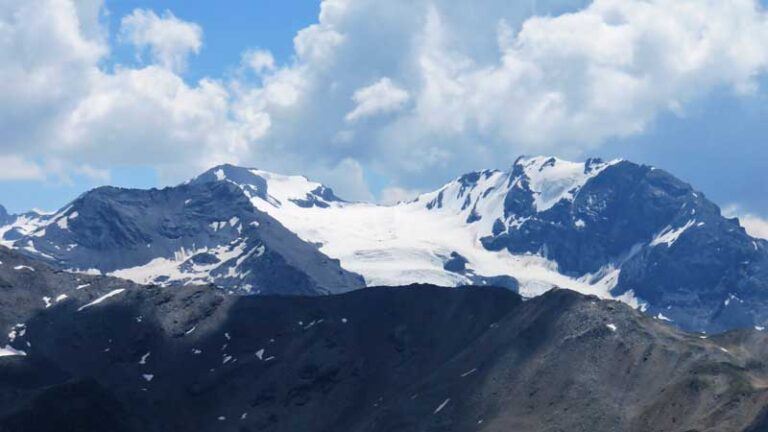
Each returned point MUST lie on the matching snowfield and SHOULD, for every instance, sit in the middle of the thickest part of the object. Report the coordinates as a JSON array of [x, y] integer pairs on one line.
[[410, 242]]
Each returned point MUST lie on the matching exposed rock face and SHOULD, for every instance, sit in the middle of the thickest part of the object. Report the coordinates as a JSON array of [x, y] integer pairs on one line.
[[195, 233], [416, 358], [674, 249]]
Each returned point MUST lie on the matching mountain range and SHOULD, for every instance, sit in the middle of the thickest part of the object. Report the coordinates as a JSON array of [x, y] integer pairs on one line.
[[614, 229], [96, 353]]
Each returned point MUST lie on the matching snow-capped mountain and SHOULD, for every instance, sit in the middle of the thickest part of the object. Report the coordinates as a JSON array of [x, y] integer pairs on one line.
[[200, 233], [614, 229]]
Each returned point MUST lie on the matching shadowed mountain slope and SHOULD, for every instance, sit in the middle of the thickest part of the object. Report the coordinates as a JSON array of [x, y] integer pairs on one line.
[[418, 358]]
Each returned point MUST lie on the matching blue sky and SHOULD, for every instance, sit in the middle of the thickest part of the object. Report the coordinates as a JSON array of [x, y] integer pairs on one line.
[[383, 99], [230, 28]]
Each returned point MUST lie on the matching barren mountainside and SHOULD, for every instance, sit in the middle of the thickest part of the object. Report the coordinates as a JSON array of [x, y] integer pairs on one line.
[[417, 358]]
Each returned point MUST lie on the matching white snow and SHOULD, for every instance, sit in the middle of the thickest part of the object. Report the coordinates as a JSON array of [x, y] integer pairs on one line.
[[198, 273], [469, 372], [148, 377], [260, 354], [63, 223], [23, 267], [661, 316], [25, 225], [102, 298], [144, 358], [61, 297], [47, 302], [442, 405], [11, 351], [17, 330], [90, 271], [553, 180], [669, 236], [612, 327], [731, 298], [407, 242], [759, 328]]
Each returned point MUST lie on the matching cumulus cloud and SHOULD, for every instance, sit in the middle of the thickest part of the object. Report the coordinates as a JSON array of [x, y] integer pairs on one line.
[[433, 89], [476, 89], [755, 225], [258, 60], [394, 194], [59, 107], [381, 97], [17, 168], [169, 40]]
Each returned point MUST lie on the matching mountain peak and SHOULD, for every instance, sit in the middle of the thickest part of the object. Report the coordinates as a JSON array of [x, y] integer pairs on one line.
[[274, 189], [552, 180]]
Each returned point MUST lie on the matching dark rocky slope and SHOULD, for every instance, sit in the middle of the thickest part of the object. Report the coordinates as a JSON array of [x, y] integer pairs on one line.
[[676, 251], [199, 233], [417, 358]]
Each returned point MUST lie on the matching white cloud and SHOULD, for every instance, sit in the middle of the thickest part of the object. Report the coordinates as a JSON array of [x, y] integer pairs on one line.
[[259, 60], [755, 225], [477, 87], [59, 107], [378, 98], [348, 179], [17, 168], [393, 195], [169, 39], [463, 85]]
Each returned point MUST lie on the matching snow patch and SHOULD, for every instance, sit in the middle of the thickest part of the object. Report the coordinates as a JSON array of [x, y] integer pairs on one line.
[[441, 406], [102, 298], [23, 267], [11, 351], [553, 180], [669, 236]]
